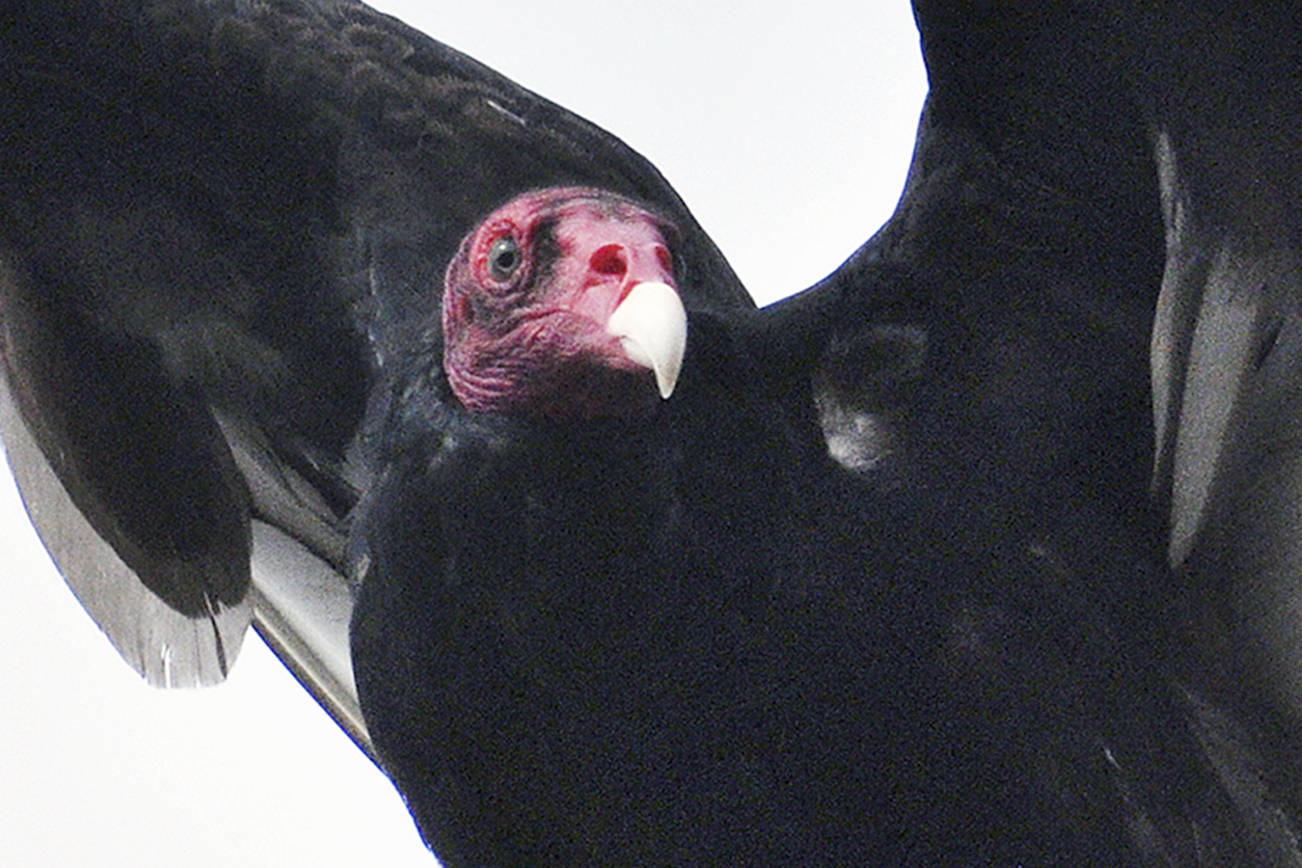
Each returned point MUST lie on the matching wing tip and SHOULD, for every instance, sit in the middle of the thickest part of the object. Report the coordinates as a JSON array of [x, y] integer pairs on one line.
[[168, 648]]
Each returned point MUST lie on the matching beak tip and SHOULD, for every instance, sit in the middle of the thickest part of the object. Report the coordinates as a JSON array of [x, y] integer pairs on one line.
[[665, 383]]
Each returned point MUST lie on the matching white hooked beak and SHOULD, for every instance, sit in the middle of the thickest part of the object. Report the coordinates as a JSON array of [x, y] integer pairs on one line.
[[652, 327]]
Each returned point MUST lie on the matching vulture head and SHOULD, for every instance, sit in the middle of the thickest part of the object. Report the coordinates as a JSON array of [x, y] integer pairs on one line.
[[563, 303]]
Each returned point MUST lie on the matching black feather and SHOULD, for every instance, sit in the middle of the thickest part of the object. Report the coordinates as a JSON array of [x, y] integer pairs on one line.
[[696, 638]]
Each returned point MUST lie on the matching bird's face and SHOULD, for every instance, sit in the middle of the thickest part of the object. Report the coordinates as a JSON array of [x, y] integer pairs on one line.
[[563, 303]]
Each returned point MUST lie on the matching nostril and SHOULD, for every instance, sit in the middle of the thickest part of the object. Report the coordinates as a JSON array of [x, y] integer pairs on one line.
[[609, 260]]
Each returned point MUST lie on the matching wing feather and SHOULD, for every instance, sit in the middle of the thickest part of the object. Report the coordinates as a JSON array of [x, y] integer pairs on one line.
[[168, 648]]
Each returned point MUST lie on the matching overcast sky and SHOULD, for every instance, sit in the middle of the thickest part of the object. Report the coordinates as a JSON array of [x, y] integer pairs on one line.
[[786, 130]]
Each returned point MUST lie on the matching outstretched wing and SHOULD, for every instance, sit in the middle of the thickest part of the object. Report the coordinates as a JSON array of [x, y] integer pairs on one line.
[[215, 220], [1072, 166]]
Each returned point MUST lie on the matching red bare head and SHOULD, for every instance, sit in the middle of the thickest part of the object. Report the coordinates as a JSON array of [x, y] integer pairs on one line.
[[562, 303]]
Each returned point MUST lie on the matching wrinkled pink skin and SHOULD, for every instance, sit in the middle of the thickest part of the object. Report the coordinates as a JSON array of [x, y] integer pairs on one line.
[[536, 342]]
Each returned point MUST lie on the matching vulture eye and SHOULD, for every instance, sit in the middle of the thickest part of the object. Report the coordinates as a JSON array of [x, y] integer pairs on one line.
[[503, 258]]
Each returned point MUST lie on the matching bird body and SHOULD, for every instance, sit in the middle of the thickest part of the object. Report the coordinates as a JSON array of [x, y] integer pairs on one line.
[[600, 647], [863, 581], [607, 625], [634, 639]]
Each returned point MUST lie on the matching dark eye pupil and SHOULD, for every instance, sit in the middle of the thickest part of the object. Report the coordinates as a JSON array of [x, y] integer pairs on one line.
[[503, 258]]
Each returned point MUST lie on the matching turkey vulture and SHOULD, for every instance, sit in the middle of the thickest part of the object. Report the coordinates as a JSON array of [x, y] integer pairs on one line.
[[596, 630], [1034, 203], [314, 789]]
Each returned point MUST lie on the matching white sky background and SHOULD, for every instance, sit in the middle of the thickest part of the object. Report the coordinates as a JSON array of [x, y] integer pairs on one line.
[[788, 133]]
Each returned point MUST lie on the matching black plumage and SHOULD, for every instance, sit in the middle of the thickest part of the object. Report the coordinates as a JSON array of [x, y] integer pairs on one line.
[[633, 641], [980, 365]]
